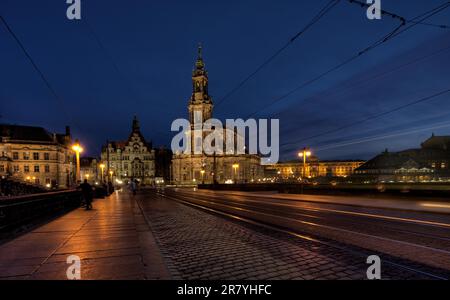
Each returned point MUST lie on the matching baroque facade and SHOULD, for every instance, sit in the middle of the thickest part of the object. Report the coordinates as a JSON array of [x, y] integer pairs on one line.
[[130, 159], [227, 167], [33, 155]]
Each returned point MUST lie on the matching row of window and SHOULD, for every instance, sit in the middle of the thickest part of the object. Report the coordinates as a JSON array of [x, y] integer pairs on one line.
[[36, 156], [436, 165], [127, 158], [136, 167], [38, 181], [26, 169]]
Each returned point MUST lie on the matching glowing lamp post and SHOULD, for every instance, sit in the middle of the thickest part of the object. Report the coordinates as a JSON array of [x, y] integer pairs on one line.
[[78, 149], [235, 168], [304, 154], [203, 176], [102, 168]]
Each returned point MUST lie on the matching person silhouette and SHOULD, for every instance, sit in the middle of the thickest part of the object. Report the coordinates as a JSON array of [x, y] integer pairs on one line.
[[88, 194]]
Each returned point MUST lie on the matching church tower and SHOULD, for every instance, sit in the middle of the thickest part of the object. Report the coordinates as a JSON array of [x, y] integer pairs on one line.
[[200, 100]]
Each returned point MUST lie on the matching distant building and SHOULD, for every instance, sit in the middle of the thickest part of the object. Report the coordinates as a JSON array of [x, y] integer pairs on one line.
[[192, 168], [430, 163], [34, 155], [90, 170], [294, 171], [133, 158]]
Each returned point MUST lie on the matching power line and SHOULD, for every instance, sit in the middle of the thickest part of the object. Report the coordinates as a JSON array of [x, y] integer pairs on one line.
[[381, 74], [383, 12], [398, 30], [382, 137], [329, 6], [36, 68], [111, 60], [376, 116]]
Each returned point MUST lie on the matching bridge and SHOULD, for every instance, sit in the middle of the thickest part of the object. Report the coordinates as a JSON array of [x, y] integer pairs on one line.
[[203, 234]]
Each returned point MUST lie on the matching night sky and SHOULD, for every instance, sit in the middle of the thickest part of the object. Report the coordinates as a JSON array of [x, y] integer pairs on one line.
[[147, 49]]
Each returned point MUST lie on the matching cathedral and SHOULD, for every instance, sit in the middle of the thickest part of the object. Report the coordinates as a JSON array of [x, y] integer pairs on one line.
[[201, 168]]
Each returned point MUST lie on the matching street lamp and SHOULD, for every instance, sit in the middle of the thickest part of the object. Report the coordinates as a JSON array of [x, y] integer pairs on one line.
[[111, 174], [304, 154], [78, 149], [235, 167], [102, 167], [203, 176]]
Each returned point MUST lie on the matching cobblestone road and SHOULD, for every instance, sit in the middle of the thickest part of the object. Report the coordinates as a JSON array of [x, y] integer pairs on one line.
[[201, 245]]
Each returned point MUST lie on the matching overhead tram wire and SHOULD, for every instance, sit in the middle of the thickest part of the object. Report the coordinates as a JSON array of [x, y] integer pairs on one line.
[[373, 117], [397, 31], [110, 58], [327, 8], [123, 78], [366, 5], [409, 63], [37, 69], [381, 74], [434, 126]]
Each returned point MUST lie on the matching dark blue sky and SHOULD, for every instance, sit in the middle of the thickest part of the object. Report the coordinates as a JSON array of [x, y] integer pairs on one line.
[[153, 44]]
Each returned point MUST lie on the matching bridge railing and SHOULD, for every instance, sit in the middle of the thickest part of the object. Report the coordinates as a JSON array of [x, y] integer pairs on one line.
[[21, 210]]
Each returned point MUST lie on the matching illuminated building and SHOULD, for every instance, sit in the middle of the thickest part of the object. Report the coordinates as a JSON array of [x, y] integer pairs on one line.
[[130, 159], [292, 171], [34, 155], [430, 163], [193, 168]]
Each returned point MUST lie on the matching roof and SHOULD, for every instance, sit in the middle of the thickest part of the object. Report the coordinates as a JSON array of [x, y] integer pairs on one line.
[[417, 158], [437, 142], [31, 134], [87, 161], [386, 161], [122, 144]]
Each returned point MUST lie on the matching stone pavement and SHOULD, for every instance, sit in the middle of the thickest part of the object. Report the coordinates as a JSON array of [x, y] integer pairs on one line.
[[199, 245], [113, 241], [151, 237]]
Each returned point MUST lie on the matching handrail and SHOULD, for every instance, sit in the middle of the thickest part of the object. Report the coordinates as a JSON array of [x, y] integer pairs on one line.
[[21, 210]]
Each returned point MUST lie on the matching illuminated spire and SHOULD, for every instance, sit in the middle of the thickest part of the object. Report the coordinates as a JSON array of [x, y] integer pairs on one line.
[[200, 65]]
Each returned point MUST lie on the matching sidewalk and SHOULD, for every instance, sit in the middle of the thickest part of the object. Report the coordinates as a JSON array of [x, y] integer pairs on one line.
[[113, 241]]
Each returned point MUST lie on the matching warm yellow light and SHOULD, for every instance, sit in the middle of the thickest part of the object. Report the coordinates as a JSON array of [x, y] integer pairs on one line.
[[77, 148], [102, 166], [202, 171], [235, 166], [111, 173], [87, 176], [305, 153]]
